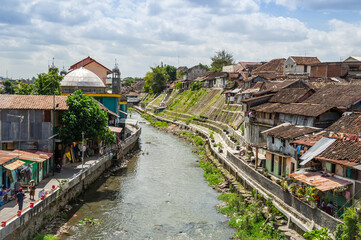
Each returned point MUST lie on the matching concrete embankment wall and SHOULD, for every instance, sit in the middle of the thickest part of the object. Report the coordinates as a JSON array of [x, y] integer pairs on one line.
[[27, 225], [300, 213]]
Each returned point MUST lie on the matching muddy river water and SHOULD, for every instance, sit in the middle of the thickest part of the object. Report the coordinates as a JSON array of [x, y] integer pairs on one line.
[[161, 195]]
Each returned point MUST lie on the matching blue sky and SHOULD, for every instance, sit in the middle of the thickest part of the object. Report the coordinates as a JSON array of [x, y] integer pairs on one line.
[[143, 33]]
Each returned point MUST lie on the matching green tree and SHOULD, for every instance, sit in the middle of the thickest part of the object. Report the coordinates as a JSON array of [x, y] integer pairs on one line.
[[25, 89], [48, 83], [84, 115], [172, 72], [9, 87], [128, 81], [156, 79], [222, 58]]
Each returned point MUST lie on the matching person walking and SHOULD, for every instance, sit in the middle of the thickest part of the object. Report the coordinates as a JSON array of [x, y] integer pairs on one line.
[[17, 186], [20, 198]]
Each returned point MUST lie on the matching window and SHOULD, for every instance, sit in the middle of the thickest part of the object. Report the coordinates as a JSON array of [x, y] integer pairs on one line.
[[291, 66], [272, 162], [273, 140], [283, 142], [292, 167], [46, 116], [305, 68]]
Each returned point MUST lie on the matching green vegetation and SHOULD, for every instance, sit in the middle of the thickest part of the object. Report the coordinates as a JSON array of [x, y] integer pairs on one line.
[[196, 86], [156, 80], [178, 85], [45, 237], [128, 81], [89, 221], [242, 129], [48, 83], [211, 173], [84, 109], [192, 137], [248, 219], [221, 59], [322, 234], [156, 123]]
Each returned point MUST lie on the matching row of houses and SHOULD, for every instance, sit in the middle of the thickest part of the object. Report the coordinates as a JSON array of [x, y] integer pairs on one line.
[[303, 118]]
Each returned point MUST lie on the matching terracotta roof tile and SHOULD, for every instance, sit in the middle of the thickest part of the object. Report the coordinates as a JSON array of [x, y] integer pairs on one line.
[[349, 124], [336, 95], [305, 60], [342, 150], [290, 131], [35, 102], [289, 95], [275, 65]]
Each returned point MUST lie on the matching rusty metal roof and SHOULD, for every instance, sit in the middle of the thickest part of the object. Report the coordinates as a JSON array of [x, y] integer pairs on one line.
[[14, 165], [320, 181], [290, 131], [310, 141], [31, 156]]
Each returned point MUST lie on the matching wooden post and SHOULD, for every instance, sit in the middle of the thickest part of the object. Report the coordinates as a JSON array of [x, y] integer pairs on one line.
[[256, 161]]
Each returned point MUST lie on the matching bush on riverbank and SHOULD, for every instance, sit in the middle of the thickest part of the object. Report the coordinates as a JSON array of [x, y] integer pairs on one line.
[[211, 173], [248, 218], [192, 137], [158, 124], [45, 237]]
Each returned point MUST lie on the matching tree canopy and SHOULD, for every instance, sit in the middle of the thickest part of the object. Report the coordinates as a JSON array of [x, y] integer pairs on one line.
[[156, 80], [25, 89], [48, 83], [84, 115], [9, 87], [172, 72], [128, 81], [222, 58]]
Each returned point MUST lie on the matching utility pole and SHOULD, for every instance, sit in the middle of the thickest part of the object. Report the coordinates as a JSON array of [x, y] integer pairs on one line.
[[82, 152]]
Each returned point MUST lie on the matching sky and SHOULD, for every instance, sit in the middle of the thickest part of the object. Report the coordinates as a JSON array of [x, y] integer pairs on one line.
[[141, 34]]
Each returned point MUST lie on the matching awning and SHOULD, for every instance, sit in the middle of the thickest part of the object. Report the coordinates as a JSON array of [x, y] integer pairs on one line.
[[316, 149], [14, 165], [115, 129], [319, 180]]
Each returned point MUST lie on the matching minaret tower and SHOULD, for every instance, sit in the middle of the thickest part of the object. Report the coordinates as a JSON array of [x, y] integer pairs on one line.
[[116, 79]]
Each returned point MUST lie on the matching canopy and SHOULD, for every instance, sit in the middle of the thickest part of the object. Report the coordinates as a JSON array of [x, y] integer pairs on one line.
[[14, 165], [322, 182]]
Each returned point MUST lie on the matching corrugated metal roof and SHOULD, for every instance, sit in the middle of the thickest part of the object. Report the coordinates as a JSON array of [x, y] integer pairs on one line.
[[115, 129], [316, 149], [319, 180], [14, 165]]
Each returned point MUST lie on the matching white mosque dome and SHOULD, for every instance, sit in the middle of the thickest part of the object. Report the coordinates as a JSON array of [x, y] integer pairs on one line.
[[81, 77]]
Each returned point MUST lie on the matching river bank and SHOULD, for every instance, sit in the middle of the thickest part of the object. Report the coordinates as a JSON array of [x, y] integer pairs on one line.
[[160, 195]]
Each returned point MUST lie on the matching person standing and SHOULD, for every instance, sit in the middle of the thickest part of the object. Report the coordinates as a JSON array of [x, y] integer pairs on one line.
[[32, 190], [17, 186], [20, 198]]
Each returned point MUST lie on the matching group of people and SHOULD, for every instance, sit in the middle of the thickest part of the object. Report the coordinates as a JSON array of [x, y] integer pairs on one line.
[[327, 207], [19, 194]]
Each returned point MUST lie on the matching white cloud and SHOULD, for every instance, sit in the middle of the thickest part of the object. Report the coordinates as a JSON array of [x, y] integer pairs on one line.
[[144, 33]]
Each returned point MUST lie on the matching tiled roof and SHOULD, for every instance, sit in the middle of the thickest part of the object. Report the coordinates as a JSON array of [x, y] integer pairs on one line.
[[289, 95], [309, 141], [349, 124], [301, 109], [38, 102], [256, 98], [87, 61], [34, 102], [245, 65], [305, 60], [289, 131], [336, 95], [275, 65], [342, 150]]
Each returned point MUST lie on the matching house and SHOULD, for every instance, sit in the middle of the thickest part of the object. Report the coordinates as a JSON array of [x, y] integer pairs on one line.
[[213, 79], [194, 72], [268, 115], [299, 65], [94, 66], [132, 98], [281, 155], [292, 95], [9, 163], [328, 70], [271, 70]]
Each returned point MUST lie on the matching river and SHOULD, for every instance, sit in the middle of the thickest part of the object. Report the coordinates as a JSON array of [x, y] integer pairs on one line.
[[161, 195]]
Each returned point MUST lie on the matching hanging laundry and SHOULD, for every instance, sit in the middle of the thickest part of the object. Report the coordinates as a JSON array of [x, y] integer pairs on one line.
[[298, 149]]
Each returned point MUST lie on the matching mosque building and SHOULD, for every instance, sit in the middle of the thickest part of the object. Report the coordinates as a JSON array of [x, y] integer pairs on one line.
[[90, 77]]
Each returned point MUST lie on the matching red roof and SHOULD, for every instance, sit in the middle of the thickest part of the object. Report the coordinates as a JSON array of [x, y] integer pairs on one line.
[[87, 61]]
